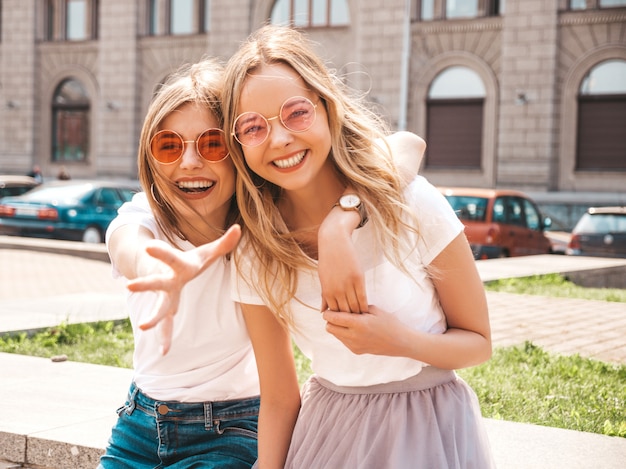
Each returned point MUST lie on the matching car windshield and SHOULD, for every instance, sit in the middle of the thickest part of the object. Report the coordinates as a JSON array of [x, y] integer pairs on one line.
[[602, 223], [467, 207], [57, 193]]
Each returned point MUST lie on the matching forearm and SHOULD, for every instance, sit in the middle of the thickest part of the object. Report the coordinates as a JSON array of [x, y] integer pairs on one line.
[[454, 349], [280, 393], [127, 249], [276, 423]]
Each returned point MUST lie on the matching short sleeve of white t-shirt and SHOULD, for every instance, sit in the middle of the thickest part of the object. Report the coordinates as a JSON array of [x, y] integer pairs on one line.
[[137, 212]]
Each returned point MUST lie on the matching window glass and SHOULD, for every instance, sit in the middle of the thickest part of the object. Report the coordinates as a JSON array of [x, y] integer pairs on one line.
[[339, 13], [608, 77], [457, 82], [612, 3], [154, 18], [280, 12], [533, 219], [76, 20], [515, 215], [300, 13], [319, 13], [467, 207], [498, 210], [207, 16], [461, 8], [109, 197], [578, 4], [181, 15], [428, 10]]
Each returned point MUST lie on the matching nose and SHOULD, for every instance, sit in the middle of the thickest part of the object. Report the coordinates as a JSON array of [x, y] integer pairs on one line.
[[190, 158], [279, 135]]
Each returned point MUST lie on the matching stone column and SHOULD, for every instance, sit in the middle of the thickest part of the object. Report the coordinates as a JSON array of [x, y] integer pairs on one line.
[[529, 100], [117, 107], [17, 74]]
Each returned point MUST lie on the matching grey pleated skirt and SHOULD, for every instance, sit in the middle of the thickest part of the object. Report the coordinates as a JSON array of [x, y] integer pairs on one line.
[[429, 421]]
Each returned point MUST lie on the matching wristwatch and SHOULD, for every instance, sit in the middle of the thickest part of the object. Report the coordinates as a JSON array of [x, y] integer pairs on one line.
[[353, 202]]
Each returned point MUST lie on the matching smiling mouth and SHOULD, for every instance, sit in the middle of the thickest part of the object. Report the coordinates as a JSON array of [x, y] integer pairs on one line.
[[290, 162], [195, 186]]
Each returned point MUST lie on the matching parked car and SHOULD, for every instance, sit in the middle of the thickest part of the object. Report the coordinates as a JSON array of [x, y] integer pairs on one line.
[[601, 231], [15, 185], [72, 210], [499, 223]]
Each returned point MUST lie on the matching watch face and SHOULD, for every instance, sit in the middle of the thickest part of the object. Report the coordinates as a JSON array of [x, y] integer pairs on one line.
[[350, 201]]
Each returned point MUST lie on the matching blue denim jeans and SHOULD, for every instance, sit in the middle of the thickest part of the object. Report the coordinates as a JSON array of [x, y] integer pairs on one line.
[[159, 434]]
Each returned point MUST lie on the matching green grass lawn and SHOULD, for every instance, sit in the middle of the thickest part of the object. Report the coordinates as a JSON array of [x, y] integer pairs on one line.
[[522, 383]]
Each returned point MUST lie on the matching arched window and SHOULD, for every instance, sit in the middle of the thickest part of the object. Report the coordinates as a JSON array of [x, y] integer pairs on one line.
[[454, 119], [601, 143], [311, 13], [70, 122]]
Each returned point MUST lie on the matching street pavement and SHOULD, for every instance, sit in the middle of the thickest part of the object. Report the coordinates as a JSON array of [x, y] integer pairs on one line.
[[59, 415]]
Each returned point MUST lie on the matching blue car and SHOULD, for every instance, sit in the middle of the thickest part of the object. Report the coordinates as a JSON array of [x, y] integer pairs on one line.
[[71, 210]]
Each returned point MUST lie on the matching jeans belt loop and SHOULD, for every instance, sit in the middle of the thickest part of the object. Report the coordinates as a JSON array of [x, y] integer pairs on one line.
[[208, 415], [132, 401]]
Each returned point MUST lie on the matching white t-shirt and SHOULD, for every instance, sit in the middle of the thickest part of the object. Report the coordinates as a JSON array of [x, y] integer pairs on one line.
[[211, 357], [412, 299]]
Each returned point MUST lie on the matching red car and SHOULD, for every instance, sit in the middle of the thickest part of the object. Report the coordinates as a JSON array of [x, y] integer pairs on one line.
[[499, 222]]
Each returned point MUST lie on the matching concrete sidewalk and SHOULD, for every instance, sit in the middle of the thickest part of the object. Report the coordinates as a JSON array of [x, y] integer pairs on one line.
[[59, 415]]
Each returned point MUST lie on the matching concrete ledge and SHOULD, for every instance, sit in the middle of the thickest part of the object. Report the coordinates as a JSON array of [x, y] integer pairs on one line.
[[60, 415], [606, 277], [72, 248], [585, 271]]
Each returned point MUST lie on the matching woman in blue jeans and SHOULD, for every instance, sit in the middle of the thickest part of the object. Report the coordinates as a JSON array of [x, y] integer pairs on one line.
[[194, 403], [194, 398]]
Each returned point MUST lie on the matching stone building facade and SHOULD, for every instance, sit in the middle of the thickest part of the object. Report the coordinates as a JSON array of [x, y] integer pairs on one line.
[[73, 92]]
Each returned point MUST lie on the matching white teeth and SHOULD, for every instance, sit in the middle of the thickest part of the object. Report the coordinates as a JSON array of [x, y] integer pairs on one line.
[[290, 162], [195, 184]]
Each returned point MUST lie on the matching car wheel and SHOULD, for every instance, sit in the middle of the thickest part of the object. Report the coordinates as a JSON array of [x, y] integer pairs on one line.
[[92, 235]]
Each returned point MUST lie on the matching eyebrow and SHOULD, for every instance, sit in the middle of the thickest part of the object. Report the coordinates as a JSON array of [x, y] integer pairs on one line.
[[251, 116]]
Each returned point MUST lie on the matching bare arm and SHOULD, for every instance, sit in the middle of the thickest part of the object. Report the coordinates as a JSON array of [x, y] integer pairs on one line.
[[467, 341], [127, 248], [343, 285], [280, 394]]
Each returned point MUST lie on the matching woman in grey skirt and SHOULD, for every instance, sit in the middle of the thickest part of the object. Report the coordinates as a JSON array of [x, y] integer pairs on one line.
[[383, 394]]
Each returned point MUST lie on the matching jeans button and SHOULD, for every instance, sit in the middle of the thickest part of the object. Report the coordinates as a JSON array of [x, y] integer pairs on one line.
[[163, 409]]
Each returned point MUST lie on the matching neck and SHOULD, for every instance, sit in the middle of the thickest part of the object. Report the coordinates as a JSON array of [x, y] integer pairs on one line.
[[304, 210]]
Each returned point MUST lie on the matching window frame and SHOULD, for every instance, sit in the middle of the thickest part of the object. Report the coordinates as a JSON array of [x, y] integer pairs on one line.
[[158, 18], [484, 8], [63, 113], [56, 22], [591, 5], [309, 22]]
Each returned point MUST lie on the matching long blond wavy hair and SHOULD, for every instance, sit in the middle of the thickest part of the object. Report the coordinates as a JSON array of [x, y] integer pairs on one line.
[[359, 162], [199, 83]]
